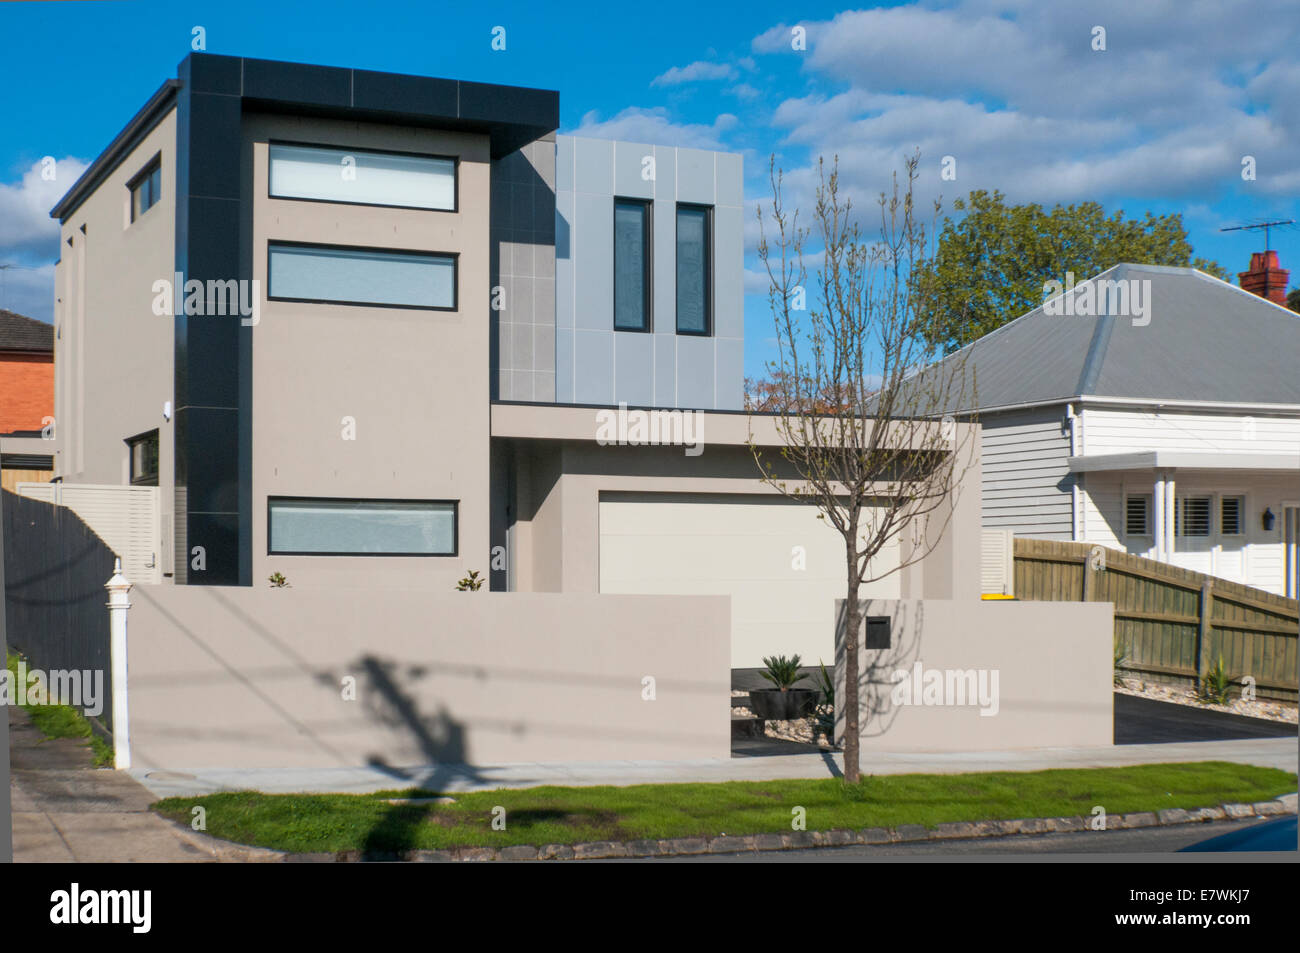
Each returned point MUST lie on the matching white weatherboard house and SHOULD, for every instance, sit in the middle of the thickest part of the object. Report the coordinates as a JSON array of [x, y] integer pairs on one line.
[[1167, 426]]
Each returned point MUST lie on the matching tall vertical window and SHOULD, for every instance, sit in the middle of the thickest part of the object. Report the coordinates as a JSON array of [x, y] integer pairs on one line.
[[146, 189], [143, 451], [631, 265], [694, 276], [1231, 510]]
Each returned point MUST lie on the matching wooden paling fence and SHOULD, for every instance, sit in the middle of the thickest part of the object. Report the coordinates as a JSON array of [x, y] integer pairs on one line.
[[1172, 624]]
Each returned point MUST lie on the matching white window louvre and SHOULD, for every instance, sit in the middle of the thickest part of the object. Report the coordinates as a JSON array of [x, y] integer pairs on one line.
[[1193, 516], [1137, 516]]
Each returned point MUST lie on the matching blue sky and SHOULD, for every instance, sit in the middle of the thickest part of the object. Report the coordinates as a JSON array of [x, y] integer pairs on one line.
[[1159, 120]]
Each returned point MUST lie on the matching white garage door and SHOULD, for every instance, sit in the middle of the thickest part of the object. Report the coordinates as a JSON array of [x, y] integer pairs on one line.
[[781, 565]]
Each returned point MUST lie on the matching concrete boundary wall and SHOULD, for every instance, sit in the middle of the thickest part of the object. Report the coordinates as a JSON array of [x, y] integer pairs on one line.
[[1053, 664], [254, 677]]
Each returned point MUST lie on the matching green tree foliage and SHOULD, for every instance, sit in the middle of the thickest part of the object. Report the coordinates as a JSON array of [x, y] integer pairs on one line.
[[992, 262], [1293, 300]]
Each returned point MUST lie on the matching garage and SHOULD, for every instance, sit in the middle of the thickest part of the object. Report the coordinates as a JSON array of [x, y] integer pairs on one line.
[[782, 566]]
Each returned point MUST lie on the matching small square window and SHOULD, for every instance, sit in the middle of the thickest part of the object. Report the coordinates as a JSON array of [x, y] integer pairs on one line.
[[144, 459], [1137, 516]]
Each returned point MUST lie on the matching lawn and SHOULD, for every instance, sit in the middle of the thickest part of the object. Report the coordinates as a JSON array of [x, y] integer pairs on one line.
[[64, 721], [565, 815]]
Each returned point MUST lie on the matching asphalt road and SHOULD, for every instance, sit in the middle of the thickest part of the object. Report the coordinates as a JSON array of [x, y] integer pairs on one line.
[[1138, 721], [1143, 840], [1141, 721]]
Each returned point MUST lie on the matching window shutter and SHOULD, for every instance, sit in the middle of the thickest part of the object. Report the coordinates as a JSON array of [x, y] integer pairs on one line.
[[1230, 510], [1137, 515], [1195, 513]]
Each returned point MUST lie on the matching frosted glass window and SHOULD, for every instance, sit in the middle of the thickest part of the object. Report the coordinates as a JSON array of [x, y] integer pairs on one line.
[[362, 527], [362, 276], [693, 278], [366, 178], [631, 265]]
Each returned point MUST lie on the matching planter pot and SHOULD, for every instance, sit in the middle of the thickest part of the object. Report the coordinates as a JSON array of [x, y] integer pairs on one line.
[[773, 704]]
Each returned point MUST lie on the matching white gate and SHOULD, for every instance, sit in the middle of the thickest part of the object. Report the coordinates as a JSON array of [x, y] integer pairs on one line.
[[127, 518]]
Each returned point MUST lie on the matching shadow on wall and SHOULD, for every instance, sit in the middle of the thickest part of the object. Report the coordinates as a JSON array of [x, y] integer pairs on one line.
[[876, 711], [441, 741]]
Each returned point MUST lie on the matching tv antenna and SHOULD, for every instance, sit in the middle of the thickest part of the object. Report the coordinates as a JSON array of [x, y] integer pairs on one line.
[[1258, 225]]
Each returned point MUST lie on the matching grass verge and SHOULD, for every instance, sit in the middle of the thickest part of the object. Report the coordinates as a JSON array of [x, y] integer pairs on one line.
[[64, 721], [565, 815]]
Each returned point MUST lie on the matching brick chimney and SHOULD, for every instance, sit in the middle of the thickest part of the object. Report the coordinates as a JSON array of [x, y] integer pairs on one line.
[[1265, 278]]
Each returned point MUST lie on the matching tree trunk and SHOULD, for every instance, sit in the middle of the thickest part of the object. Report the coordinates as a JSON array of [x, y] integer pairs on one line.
[[852, 680]]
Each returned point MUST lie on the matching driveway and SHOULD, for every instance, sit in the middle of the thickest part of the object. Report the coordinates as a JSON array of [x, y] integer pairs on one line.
[[1145, 721]]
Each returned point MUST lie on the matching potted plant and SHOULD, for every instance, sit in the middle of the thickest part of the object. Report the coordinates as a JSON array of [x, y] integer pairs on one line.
[[783, 702]]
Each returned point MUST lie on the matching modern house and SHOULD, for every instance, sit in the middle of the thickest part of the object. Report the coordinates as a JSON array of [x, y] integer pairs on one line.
[[26, 399], [376, 331], [1154, 410]]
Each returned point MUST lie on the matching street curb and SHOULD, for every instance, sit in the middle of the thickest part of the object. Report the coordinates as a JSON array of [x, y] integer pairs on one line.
[[730, 844]]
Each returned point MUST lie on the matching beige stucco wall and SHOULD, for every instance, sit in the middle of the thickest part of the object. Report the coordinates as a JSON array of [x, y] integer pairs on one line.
[[555, 546], [1053, 663], [415, 382], [113, 355], [253, 677]]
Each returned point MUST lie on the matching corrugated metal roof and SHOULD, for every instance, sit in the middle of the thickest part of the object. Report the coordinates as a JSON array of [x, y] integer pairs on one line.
[[1200, 339]]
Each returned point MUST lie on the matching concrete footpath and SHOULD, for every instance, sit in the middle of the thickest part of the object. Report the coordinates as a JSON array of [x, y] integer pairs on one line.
[[1265, 752], [66, 810]]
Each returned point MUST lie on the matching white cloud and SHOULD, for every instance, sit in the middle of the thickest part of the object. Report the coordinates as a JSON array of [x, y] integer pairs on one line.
[[26, 228], [654, 126], [28, 290], [1015, 93], [694, 73]]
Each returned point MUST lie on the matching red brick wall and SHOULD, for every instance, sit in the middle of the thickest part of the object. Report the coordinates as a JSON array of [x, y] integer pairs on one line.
[[26, 391]]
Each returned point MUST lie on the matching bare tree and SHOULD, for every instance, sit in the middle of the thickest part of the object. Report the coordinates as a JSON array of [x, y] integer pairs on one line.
[[859, 404]]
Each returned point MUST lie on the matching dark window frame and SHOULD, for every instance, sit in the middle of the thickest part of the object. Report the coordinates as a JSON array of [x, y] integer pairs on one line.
[[648, 267], [708, 271], [455, 275], [144, 178], [144, 479], [455, 526], [455, 185]]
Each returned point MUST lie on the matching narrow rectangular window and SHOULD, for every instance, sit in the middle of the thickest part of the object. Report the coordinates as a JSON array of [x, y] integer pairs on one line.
[[631, 265], [694, 274], [143, 452], [361, 177], [1137, 516], [361, 276], [1231, 509], [329, 527], [146, 188]]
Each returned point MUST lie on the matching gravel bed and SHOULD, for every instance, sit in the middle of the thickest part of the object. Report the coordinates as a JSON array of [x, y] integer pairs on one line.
[[1260, 708]]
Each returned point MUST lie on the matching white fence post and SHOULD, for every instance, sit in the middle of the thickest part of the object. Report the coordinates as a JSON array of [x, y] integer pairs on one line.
[[117, 588]]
